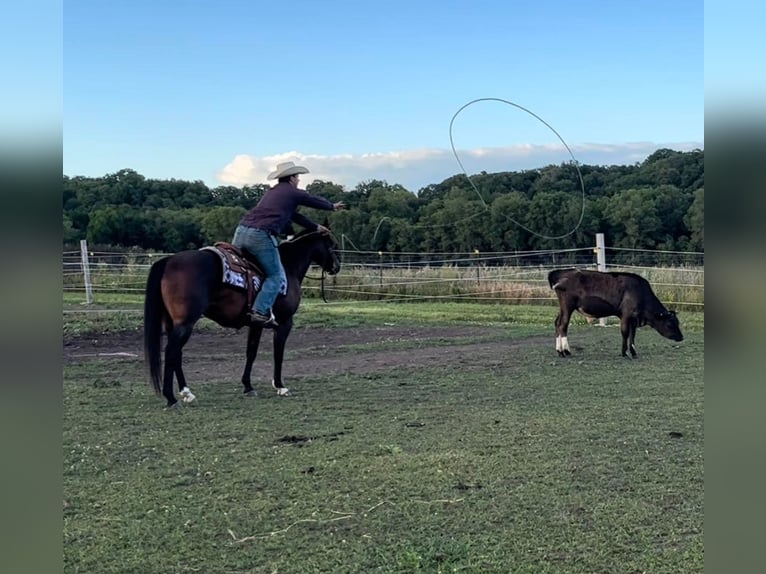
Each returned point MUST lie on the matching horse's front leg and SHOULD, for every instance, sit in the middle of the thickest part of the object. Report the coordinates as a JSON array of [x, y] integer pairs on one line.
[[253, 340], [280, 338]]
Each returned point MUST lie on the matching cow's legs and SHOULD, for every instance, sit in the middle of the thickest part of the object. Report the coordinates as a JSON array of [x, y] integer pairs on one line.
[[628, 330], [632, 338], [562, 328]]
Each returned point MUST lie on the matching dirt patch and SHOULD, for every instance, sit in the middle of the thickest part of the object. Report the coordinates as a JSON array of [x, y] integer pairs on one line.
[[318, 351]]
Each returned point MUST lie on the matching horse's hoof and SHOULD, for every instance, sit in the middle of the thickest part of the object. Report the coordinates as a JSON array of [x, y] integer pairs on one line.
[[174, 407], [250, 393], [281, 391], [187, 396]]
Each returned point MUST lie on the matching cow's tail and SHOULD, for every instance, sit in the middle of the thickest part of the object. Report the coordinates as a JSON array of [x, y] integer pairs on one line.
[[555, 277], [154, 314]]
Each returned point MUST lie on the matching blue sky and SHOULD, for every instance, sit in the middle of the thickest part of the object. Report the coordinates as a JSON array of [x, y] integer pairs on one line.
[[220, 91]]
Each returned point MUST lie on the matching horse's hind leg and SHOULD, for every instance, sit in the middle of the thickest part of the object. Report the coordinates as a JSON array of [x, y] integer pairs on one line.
[[177, 338], [184, 334], [183, 388]]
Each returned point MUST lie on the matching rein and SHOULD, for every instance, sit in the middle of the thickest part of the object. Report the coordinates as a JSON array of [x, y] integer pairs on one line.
[[307, 276], [321, 284], [321, 287]]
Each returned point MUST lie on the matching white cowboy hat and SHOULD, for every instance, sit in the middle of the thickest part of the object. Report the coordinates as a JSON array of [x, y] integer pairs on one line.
[[285, 169]]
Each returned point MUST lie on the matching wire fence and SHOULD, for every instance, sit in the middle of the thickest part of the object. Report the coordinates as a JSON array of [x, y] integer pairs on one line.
[[492, 277]]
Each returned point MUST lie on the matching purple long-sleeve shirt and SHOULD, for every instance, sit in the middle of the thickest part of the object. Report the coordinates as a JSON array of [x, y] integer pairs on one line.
[[279, 206]]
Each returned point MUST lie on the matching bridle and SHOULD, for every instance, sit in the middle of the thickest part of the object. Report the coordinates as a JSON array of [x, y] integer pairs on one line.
[[322, 277]]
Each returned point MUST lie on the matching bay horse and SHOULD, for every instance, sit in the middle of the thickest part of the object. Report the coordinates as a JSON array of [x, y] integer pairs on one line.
[[183, 287]]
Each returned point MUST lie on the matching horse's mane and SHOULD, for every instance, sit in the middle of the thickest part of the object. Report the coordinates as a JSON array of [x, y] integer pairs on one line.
[[299, 238]]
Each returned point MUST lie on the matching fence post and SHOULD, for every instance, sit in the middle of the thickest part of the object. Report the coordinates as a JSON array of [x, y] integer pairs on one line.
[[380, 267], [86, 271], [601, 261]]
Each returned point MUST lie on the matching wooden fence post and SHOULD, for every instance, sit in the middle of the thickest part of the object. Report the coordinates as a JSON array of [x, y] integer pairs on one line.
[[601, 261], [86, 271]]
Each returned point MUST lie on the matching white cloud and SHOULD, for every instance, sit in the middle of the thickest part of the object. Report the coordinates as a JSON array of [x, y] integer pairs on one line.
[[415, 169]]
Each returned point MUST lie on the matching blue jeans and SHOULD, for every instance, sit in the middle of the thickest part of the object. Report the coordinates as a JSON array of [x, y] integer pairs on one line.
[[263, 245]]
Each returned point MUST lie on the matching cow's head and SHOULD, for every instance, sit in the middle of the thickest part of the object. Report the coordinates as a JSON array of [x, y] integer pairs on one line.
[[666, 323]]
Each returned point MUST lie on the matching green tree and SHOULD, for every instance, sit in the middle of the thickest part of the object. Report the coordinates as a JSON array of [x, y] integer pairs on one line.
[[504, 233], [634, 219], [219, 223], [180, 229], [71, 235], [455, 223], [554, 178], [404, 236], [330, 191], [349, 228], [654, 204], [392, 201], [695, 221], [552, 214], [119, 225], [230, 196], [127, 187]]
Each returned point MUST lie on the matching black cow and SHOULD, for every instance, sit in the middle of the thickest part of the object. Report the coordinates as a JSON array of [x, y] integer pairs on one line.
[[604, 294]]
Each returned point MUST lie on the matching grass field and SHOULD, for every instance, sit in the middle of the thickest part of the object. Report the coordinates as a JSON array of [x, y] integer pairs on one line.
[[482, 452]]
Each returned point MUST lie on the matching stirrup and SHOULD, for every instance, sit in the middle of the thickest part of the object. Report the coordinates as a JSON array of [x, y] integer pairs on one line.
[[267, 322]]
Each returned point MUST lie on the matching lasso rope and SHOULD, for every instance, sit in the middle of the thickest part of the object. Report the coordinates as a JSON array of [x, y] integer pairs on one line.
[[550, 127], [485, 206]]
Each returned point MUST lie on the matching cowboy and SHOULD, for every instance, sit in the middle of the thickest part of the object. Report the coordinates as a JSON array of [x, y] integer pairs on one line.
[[260, 228]]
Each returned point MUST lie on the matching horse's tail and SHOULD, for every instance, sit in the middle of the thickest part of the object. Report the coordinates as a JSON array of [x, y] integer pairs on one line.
[[154, 313]]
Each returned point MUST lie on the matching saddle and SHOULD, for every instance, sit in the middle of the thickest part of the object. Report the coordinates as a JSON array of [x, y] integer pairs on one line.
[[240, 270]]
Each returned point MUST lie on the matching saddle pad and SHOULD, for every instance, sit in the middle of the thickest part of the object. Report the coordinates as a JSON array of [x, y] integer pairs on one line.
[[235, 269]]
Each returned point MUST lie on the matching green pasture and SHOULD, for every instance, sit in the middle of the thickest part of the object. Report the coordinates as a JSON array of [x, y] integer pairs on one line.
[[120, 312], [527, 464]]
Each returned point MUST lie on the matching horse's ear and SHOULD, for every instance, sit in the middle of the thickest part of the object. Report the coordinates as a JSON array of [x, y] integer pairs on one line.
[[326, 222]]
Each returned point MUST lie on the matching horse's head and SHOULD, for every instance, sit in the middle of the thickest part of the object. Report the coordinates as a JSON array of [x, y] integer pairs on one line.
[[326, 254], [311, 247]]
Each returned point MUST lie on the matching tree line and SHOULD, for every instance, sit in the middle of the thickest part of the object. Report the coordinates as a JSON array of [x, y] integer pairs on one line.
[[657, 204]]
